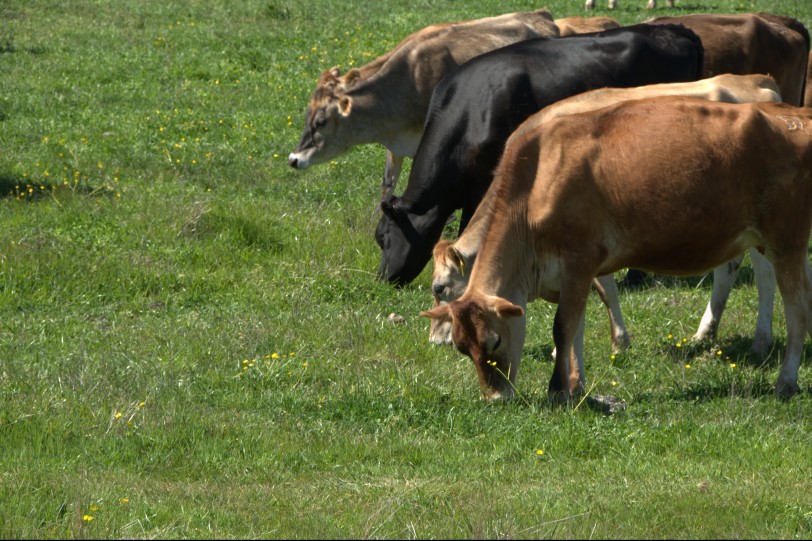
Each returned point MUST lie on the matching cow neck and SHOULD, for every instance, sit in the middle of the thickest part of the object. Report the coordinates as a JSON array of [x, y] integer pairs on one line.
[[382, 104], [506, 240], [425, 195]]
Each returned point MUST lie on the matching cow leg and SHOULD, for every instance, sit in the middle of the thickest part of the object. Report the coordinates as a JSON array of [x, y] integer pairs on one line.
[[391, 173], [765, 283], [589, 4], [607, 290], [793, 281], [612, 4], [723, 278], [567, 378], [651, 4]]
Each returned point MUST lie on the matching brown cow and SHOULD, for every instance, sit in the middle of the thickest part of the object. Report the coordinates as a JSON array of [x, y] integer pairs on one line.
[[752, 43], [386, 100], [672, 185], [453, 260], [652, 4], [581, 25]]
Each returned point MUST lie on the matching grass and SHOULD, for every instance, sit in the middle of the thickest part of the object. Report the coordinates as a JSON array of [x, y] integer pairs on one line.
[[193, 344]]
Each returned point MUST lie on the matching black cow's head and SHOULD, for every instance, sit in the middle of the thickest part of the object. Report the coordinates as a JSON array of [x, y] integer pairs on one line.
[[405, 247]]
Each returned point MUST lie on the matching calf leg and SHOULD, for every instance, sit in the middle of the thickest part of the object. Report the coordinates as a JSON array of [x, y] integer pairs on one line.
[[765, 283], [391, 173], [796, 291], [607, 290], [568, 329], [723, 278]]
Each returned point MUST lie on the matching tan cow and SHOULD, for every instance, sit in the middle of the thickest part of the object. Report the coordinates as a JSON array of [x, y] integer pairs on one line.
[[569, 26], [453, 261], [386, 100], [672, 185], [752, 43], [652, 4]]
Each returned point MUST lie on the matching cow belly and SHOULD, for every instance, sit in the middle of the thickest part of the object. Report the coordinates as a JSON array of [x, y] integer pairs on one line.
[[680, 253]]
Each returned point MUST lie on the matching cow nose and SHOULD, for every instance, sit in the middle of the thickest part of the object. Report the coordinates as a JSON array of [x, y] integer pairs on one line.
[[439, 289], [293, 161]]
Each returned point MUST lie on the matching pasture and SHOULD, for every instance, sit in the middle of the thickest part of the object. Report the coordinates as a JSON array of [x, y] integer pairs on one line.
[[193, 343]]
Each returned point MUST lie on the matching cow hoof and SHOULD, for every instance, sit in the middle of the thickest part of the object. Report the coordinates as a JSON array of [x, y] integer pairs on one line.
[[761, 346], [786, 390]]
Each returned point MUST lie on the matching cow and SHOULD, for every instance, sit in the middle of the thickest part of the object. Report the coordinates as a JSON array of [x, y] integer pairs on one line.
[[474, 110], [584, 25], [652, 4], [752, 43], [673, 185], [453, 261], [386, 100], [747, 43]]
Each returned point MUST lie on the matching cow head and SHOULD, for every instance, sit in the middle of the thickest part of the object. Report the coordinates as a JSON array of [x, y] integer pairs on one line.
[[448, 283], [326, 114], [405, 240], [490, 330]]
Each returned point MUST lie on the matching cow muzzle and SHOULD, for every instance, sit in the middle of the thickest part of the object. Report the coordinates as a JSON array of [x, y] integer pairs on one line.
[[298, 161]]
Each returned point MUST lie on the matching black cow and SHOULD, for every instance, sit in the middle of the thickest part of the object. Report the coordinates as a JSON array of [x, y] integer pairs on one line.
[[475, 109]]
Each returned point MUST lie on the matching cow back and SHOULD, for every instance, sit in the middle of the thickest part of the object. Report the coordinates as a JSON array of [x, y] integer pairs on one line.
[[752, 43]]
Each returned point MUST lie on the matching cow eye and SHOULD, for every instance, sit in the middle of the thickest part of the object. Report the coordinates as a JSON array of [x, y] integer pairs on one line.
[[321, 122]]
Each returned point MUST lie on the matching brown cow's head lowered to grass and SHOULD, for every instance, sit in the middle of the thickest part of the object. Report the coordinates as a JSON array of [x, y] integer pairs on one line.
[[484, 328], [581, 195]]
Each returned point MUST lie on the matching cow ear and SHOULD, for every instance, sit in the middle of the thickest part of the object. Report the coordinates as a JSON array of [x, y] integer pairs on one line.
[[345, 105], [504, 308], [456, 258], [441, 313], [351, 77], [335, 72]]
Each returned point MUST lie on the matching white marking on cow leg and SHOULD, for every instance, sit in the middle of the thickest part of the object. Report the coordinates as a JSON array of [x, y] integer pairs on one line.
[[796, 292], [765, 283], [612, 4], [391, 174], [589, 4], [607, 290], [723, 278], [651, 4]]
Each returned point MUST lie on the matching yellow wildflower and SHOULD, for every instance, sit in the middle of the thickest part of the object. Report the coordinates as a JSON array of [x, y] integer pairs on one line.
[[539, 452], [87, 518], [118, 415]]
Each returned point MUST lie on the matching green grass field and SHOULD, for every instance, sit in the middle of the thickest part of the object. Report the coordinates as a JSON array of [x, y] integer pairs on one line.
[[193, 342]]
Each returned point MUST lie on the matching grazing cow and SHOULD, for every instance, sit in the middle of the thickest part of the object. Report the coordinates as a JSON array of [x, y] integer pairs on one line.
[[474, 110], [752, 43], [748, 43], [652, 4], [451, 260], [583, 25], [671, 185], [386, 100]]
